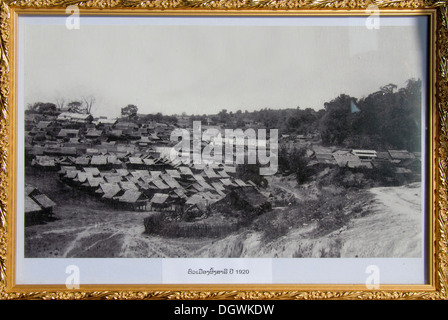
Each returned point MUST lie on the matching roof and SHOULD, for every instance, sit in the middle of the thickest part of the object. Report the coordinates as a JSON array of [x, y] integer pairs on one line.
[[251, 196], [93, 171], [185, 171], [106, 121], [130, 196], [251, 183], [180, 193], [125, 125], [155, 174], [128, 185], [64, 169], [98, 160], [45, 161], [74, 116], [109, 190], [226, 182], [113, 179], [219, 188], [94, 133], [115, 133], [211, 173], [229, 169], [31, 205], [364, 153], [173, 173], [159, 198], [43, 124], [218, 185], [82, 160], [195, 199], [144, 139], [29, 189], [240, 183], [170, 181], [113, 159], [71, 174], [95, 181], [135, 160], [133, 179], [223, 174], [383, 155], [122, 172], [198, 177], [44, 201], [351, 160], [140, 173], [149, 162], [343, 158], [68, 150], [82, 176], [401, 154], [401, 170], [65, 132], [159, 183]]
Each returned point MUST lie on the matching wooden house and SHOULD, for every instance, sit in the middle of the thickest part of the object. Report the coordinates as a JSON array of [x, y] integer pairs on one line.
[[38, 207], [246, 200], [159, 202], [133, 199]]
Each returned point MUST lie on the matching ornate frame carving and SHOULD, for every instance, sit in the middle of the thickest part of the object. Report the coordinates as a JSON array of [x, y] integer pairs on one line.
[[437, 290]]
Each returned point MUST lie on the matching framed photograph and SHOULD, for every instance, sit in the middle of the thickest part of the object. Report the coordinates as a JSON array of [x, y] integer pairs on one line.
[[223, 150]]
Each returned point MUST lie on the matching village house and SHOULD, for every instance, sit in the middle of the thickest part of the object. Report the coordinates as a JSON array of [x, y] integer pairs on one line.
[[132, 199], [244, 199], [73, 118], [38, 207], [350, 159], [159, 202]]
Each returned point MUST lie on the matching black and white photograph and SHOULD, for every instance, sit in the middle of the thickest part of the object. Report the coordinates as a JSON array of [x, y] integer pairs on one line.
[[177, 137]]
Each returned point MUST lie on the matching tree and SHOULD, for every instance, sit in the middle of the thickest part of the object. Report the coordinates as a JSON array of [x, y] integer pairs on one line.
[[60, 103], [75, 107], [42, 107], [391, 118], [389, 88], [88, 103], [294, 161], [223, 116], [130, 111], [335, 125]]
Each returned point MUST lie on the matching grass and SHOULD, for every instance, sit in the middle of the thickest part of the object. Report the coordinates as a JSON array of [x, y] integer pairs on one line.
[[330, 212], [214, 226]]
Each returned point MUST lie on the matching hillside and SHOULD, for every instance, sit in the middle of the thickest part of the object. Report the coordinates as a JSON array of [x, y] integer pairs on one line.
[[390, 226], [384, 222]]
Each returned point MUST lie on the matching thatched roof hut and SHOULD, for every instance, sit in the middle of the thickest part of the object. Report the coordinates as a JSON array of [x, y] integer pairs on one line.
[[243, 199]]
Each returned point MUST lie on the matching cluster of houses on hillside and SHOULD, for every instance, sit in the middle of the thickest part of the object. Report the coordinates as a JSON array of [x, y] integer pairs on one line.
[[155, 184], [126, 164], [402, 161], [72, 134]]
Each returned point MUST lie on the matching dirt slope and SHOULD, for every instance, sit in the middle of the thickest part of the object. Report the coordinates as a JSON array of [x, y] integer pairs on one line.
[[393, 229], [390, 227]]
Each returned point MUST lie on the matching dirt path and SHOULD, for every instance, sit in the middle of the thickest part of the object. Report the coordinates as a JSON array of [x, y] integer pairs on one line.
[[392, 229], [391, 226]]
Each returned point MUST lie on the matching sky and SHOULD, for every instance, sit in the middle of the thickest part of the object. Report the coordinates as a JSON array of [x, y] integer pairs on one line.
[[205, 64]]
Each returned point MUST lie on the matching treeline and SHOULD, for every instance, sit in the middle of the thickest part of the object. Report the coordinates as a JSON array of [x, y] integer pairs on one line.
[[387, 119], [301, 121]]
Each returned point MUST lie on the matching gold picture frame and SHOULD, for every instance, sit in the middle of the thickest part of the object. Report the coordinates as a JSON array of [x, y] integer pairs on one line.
[[437, 261]]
